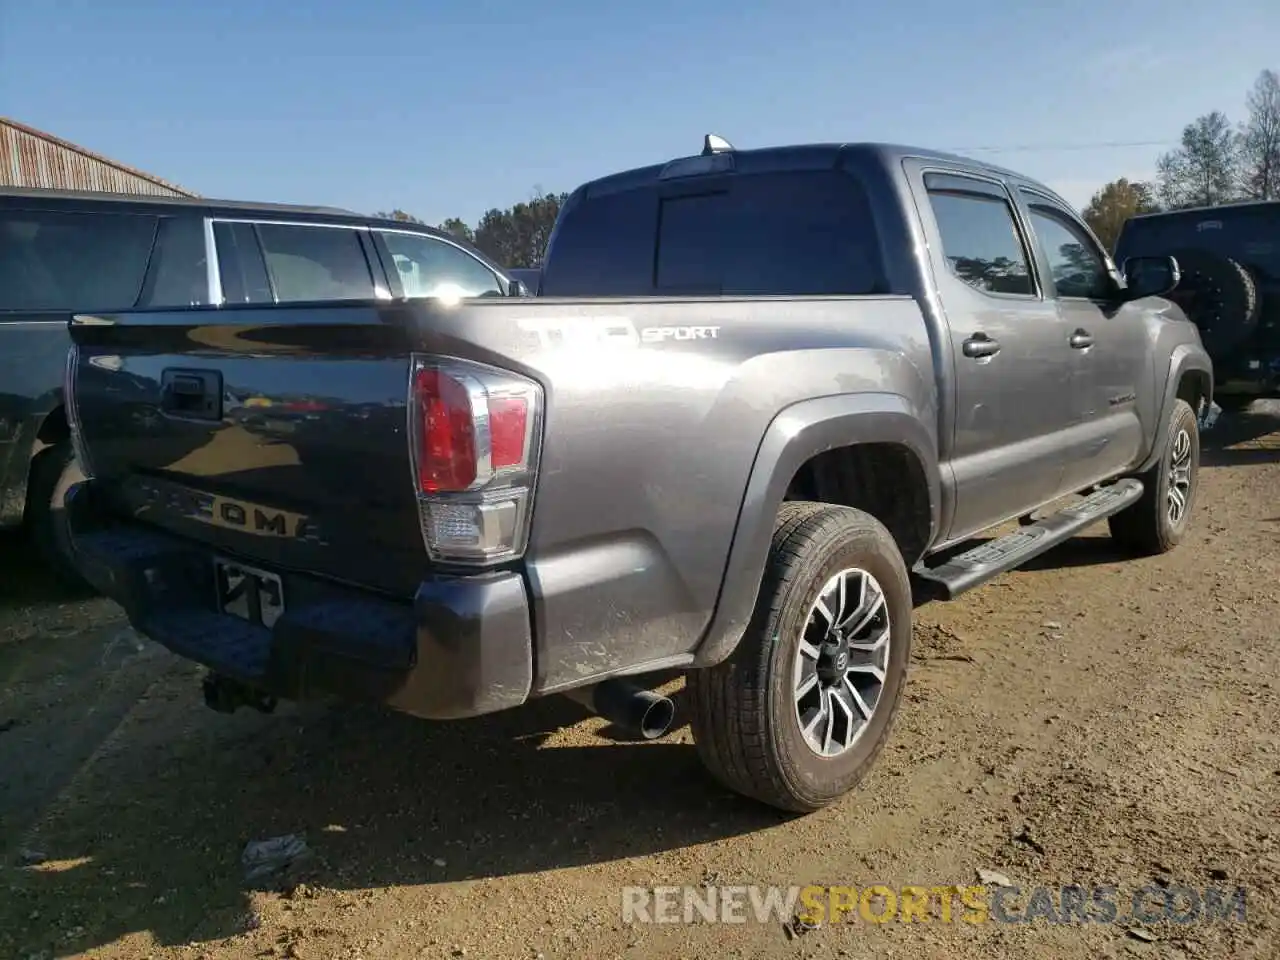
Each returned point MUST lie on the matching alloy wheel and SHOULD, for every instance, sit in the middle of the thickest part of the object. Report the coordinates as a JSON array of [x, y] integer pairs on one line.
[[841, 662]]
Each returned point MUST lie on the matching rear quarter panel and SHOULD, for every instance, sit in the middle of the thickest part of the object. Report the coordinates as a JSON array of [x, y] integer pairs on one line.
[[649, 446]]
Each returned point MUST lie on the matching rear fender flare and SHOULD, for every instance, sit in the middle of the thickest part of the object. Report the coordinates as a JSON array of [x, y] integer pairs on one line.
[[1185, 358], [798, 433]]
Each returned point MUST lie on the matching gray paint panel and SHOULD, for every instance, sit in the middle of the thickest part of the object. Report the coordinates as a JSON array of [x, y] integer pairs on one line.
[[797, 434], [649, 446]]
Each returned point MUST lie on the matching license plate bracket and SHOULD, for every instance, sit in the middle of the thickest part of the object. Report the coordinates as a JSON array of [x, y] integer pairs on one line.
[[250, 593]]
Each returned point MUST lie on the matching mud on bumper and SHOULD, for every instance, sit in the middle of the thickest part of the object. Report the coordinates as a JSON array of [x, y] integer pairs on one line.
[[462, 647]]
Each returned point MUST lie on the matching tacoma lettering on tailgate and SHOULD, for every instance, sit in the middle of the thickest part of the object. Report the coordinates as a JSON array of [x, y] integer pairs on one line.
[[228, 512]]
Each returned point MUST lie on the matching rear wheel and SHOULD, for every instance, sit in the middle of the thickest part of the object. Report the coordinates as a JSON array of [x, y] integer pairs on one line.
[[53, 472], [1158, 521], [796, 716]]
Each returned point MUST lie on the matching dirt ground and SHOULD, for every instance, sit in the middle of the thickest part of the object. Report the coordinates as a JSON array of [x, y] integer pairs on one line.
[[1088, 721]]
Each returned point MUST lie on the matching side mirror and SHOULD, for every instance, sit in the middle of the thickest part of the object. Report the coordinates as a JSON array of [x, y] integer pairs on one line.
[[1150, 276], [516, 288]]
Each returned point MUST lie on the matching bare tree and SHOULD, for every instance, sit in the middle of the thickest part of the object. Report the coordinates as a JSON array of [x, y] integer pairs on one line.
[[1259, 140], [1203, 170]]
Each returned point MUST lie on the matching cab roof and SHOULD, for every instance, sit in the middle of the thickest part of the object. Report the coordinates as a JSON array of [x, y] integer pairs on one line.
[[814, 156]]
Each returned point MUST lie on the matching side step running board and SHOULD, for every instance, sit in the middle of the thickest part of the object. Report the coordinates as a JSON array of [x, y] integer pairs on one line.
[[988, 560]]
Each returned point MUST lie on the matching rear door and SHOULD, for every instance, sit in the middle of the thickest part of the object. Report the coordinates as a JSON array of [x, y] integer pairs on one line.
[[1108, 340], [1012, 362], [54, 261]]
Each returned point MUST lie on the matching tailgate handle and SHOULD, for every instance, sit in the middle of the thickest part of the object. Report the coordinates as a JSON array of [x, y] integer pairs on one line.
[[191, 394]]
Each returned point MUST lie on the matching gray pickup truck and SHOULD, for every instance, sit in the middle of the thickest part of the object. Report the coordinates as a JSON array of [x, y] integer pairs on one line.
[[761, 396]]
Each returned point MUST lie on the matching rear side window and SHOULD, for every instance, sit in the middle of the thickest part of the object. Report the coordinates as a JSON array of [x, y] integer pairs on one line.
[[797, 233], [315, 263], [433, 268], [240, 266], [981, 242], [73, 261], [179, 273]]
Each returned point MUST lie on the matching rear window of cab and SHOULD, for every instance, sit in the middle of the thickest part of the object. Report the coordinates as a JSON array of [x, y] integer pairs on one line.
[[786, 233]]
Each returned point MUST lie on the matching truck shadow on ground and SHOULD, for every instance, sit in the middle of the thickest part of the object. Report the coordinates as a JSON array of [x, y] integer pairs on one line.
[[24, 580], [1240, 439], [149, 836]]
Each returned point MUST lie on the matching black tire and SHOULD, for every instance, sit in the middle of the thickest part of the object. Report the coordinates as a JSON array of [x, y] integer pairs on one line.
[[1147, 528], [53, 471], [1220, 297], [744, 710]]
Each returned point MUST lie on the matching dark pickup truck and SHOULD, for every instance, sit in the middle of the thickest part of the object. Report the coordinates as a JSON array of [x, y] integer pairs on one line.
[[761, 395]]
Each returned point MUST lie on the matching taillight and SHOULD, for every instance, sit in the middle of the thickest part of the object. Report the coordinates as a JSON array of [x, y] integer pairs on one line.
[[508, 428], [447, 433], [474, 433], [72, 410]]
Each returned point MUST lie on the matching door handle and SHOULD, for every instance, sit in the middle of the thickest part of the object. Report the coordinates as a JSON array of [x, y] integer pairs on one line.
[[1081, 339], [191, 394], [980, 345]]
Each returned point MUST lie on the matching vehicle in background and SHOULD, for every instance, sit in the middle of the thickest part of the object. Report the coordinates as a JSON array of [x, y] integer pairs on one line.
[[64, 253], [759, 393], [1229, 258]]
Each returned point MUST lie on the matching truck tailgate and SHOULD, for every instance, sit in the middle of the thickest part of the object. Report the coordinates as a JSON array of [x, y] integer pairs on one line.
[[277, 435]]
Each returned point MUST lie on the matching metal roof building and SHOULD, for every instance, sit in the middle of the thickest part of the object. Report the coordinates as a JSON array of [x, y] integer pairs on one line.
[[33, 158]]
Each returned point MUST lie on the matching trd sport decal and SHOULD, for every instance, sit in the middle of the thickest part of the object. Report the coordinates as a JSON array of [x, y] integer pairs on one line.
[[619, 331]]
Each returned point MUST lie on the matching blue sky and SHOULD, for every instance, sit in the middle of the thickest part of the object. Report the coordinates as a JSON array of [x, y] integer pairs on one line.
[[446, 108]]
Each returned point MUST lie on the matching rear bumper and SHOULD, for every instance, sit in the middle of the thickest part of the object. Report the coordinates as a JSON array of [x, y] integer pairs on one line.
[[462, 648]]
